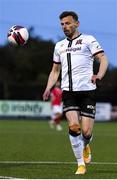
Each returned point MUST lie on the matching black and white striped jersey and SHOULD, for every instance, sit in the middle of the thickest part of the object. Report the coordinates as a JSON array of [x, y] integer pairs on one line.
[[76, 57]]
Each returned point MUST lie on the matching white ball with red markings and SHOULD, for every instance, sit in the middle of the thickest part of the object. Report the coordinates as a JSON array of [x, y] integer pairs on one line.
[[18, 35]]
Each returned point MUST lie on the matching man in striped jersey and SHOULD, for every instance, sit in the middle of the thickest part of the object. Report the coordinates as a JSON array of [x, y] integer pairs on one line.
[[74, 57]]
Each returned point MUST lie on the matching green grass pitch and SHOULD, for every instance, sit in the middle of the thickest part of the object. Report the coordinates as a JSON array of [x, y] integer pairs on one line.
[[30, 149]]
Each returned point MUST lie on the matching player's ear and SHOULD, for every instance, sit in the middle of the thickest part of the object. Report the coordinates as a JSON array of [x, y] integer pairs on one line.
[[77, 24]]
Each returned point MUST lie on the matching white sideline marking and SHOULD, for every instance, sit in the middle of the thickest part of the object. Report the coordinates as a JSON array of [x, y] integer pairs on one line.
[[7, 177], [53, 162]]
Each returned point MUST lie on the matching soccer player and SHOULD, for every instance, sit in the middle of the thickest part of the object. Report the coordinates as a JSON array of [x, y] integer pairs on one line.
[[56, 105], [74, 57]]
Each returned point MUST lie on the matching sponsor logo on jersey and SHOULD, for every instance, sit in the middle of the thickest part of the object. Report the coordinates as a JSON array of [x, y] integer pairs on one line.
[[90, 107], [68, 50], [73, 49]]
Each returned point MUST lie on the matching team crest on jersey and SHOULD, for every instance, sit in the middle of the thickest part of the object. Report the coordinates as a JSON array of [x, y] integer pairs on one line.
[[79, 41]]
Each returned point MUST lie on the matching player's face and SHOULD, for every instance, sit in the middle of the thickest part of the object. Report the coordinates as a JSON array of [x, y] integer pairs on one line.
[[69, 26]]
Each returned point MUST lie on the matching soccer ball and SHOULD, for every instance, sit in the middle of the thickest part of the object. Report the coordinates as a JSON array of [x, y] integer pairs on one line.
[[18, 35]]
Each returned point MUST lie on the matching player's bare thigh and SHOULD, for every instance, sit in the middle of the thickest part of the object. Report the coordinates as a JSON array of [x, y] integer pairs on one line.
[[87, 124], [72, 117]]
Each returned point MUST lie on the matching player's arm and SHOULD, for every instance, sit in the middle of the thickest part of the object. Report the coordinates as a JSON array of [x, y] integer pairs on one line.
[[53, 77], [101, 57]]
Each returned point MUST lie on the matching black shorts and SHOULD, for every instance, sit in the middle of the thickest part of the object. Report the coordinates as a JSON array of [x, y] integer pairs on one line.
[[82, 101]]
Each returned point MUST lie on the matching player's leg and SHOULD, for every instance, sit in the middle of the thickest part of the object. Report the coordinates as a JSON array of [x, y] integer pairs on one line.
[[76, 140], [87, 129], [70, 108], [88, 114], [51, 121], [58, 116], [58, 121]]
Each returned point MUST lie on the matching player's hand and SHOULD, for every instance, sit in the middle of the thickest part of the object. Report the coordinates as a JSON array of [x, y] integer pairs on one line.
[[46, 94], [95, 79]]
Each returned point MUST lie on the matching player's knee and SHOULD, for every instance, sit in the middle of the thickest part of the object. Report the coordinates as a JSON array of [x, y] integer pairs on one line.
[[74, 130], [58, 115], [87, 136], [86, 132]]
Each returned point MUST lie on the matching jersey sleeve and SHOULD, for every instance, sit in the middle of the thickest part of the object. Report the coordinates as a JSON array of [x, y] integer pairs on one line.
[[94, 46], [56, 55]]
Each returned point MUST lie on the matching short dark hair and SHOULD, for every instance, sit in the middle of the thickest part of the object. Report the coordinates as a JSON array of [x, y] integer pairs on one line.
[[69, 13]]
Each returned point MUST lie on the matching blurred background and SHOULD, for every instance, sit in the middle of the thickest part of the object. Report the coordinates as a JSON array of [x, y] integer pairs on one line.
[[24, 70], [28, 148]]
